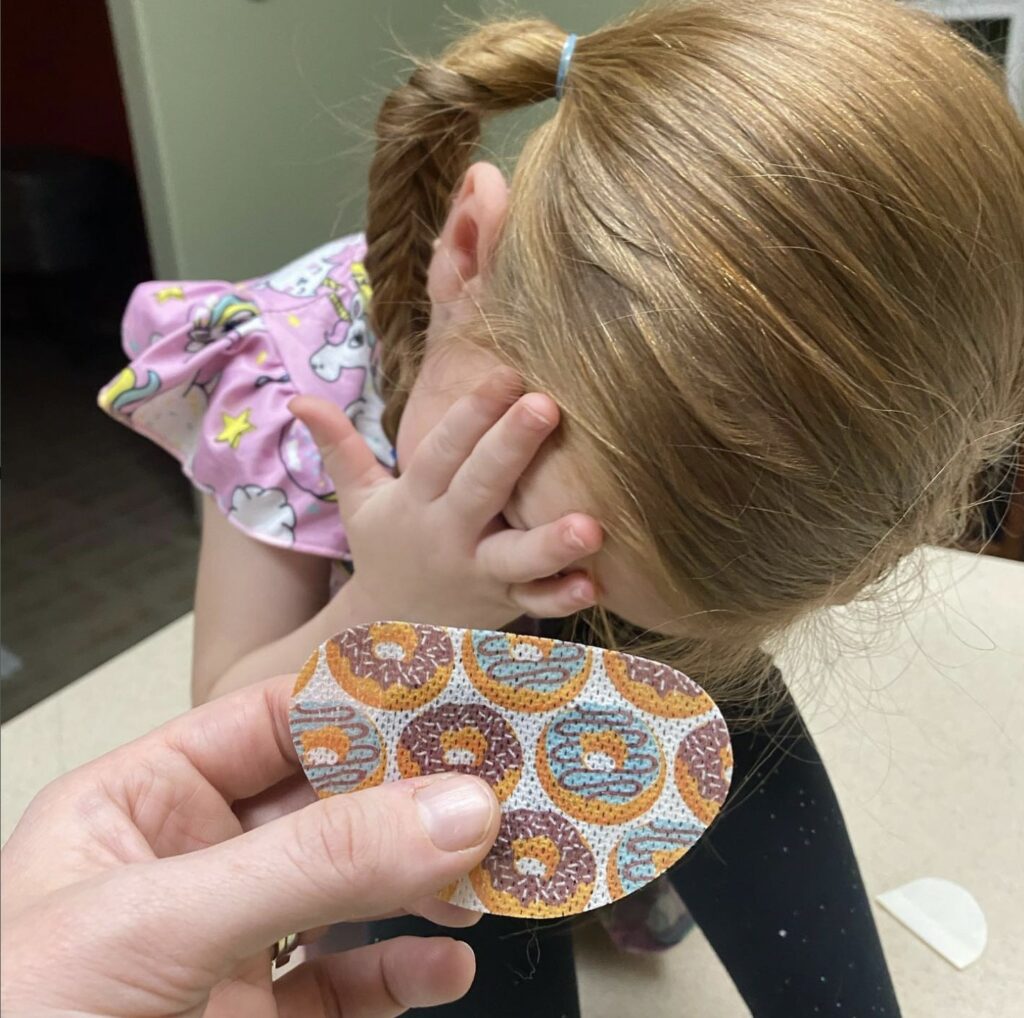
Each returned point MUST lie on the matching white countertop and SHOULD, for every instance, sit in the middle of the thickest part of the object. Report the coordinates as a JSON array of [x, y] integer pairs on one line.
[[917, 708]]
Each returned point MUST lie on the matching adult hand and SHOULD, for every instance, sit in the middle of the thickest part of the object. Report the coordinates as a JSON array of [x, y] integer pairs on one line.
[[431, 545], [130, 888]]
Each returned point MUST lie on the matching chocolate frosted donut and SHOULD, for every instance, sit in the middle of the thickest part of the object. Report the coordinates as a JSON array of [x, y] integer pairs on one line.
[[655, 687], [600, 764], [468, 738], [540, 866], [645, 852], [339, 747], [525, 673], [704, 769], [392, 665]]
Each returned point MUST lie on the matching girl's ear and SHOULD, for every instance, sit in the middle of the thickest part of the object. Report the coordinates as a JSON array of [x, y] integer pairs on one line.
[[463, 251]]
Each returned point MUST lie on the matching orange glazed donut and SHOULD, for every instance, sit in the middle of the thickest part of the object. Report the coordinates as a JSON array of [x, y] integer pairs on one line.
[[392, 665]]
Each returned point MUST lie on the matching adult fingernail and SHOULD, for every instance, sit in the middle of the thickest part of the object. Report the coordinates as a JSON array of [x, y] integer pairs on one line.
[[455, 812]]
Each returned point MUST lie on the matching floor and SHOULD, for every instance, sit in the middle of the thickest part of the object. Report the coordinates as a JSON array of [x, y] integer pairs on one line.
[[99, 534]]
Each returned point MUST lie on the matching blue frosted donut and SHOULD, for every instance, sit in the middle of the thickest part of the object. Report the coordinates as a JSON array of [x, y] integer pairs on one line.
[[525, 673], [645, 852], [600, 764], [339, 747]]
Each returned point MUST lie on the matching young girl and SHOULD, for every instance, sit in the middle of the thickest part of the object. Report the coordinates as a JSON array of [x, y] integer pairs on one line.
[[761, 278]]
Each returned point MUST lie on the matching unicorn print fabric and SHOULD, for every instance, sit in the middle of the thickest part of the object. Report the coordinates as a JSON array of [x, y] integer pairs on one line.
[[214, 366], [608, 767]]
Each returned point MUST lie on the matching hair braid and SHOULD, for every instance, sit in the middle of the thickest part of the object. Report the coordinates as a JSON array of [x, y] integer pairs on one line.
[[426, 133]]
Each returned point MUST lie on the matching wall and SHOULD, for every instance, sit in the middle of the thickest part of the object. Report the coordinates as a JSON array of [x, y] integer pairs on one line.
[[251, 118]]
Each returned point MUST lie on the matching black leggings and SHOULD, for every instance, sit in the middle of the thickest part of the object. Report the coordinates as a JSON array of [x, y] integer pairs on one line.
[[774, 886]]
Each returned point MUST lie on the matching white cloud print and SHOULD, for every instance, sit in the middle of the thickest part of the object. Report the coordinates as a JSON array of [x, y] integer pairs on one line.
[[264, 512]]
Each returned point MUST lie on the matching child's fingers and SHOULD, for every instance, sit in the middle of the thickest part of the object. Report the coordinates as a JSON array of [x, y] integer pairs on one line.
[[483, 484], [453, 438], [519, 556], [556, 596], [347, 459]]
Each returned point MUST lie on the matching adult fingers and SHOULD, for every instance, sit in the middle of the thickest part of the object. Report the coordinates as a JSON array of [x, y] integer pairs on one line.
[[519, 556], [484, 483], [285, 797], [444, 913], [445, 448], [347, 459], [555, 597], [239, 745], [379, 980], [340, 859]]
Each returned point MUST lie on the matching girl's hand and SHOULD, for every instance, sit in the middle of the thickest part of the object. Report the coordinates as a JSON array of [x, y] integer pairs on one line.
[[431, 545]]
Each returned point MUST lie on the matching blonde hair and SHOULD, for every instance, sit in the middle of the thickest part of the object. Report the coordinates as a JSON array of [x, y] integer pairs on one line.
[[767, 256]]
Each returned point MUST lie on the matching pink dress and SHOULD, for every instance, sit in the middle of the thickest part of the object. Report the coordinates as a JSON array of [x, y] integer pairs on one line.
[[213, 366]]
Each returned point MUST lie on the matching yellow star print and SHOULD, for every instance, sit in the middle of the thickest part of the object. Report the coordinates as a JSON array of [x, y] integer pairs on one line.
[[235, 428], [169, 293]]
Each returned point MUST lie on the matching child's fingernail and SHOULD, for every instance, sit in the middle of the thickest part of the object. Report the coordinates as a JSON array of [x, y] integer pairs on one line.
[[455, 812], [535, 420], [318, 437], [581, 592], [575, 540]]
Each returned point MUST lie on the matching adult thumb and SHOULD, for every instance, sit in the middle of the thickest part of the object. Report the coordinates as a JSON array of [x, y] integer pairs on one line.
[[340, 859], [347, 459]]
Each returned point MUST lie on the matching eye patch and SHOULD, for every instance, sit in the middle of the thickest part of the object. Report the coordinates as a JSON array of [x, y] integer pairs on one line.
[[608, 767]]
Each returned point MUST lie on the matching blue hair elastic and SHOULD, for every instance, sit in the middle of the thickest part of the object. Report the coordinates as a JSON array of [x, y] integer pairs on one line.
[[563, 65]]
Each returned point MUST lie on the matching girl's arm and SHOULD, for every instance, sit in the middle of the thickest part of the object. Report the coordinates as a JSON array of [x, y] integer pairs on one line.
[[254, 604]]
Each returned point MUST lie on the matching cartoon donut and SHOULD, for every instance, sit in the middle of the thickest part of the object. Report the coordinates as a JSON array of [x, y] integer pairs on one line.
[[468, 738], [645, 852], [392, 665], [339, 747], [600, 764], [655, 687], [525, 673], [307, 673], [540, 866], [704, 769]]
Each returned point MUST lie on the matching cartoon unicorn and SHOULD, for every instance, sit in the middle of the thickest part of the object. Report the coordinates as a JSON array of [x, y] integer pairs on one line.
[[305, 276], [356, 352], [126, 391], [228, 316], [176, 414]]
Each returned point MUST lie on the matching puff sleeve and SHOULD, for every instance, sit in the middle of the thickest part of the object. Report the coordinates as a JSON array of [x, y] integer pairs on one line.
[[212, 369]]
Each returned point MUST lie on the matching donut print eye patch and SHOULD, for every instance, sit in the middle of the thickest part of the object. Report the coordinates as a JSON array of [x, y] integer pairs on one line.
[[608, 767]]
